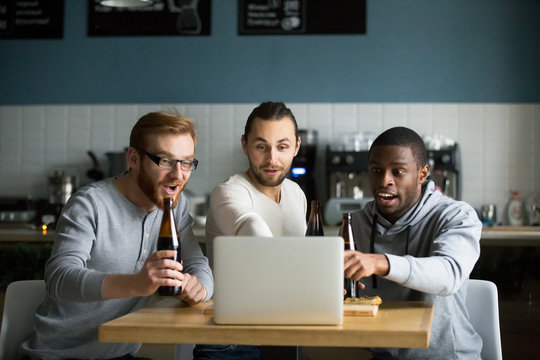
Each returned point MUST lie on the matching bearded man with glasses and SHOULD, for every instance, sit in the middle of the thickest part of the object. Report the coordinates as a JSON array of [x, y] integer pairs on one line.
[[104, 262]]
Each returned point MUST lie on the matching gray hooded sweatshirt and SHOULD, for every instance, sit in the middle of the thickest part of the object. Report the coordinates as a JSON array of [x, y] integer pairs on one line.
[[431, 250]]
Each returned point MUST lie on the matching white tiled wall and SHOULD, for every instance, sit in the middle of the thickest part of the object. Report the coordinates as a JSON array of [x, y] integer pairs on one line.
[[500, 143]]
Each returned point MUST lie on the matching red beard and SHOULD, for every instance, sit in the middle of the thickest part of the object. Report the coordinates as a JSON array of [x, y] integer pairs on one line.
[[154, 191]]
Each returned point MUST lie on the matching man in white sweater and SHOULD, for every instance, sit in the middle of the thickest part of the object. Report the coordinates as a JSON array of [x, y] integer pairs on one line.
[[259, 201]]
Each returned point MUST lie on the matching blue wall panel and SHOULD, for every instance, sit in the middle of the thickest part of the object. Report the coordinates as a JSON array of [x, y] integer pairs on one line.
[[413, 51]]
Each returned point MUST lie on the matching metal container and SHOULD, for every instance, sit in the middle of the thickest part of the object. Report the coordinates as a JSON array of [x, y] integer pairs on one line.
[[489, 214], [61, 186], [336, 207], [117, 162]]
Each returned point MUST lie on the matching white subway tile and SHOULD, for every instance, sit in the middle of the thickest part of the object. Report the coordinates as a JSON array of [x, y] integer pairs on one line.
[[394, 115], [389, 123], [345, 113], [300, 112], [54, 157], [420, 110], [319, 116], [53, 112], [222, 111], [392, 110], [11, 131], [326, 136], [500, 143], [125, 117], [221, 132], [241, 113], [79, 115], [34, 153], [422, 126], [12, 114], [10, 162], [140, 110], [370, 111], [445, 111], [33, 115], [470, 117], [369, 118], [195, 111], [495, 112], [520, 111]]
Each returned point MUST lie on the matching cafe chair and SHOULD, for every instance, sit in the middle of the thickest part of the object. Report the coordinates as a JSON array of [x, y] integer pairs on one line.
[[183, 351], [18, 319], [483, 308]]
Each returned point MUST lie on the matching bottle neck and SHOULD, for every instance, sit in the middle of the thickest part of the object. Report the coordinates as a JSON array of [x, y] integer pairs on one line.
[[315, 210], [167, 204]]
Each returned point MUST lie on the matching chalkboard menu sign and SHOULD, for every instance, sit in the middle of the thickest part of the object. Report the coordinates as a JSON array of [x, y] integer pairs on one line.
[[163, 17], [31, 19], [301, 17]]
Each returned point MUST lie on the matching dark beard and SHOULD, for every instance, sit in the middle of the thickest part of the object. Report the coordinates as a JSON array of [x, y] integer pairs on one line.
[[264, 182]]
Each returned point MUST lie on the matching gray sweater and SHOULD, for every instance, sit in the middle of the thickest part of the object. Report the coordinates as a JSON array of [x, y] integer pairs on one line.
[[432, 250], [100, 232]]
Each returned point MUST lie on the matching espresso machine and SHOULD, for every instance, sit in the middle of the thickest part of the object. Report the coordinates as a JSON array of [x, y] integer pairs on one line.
[[302, 168], [445, 166], [348, 183]]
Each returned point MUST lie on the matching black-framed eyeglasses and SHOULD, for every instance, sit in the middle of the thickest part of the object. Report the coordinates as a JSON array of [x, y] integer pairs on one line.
[[169, 164]]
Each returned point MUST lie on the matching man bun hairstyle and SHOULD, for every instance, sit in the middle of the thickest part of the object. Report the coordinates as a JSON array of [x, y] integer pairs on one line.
[[402, 136], [270, 110]]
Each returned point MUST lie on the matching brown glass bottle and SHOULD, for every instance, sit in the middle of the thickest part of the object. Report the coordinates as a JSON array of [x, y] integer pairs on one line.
[[315, 223], [347, 234], [169, 240]]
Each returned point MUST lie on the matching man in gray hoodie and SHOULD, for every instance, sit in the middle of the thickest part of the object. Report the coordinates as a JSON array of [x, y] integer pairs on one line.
[[414, 243]]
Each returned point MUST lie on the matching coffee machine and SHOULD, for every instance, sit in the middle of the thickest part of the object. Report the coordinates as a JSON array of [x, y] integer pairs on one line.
[[302, 168], [348, 183], [445, 170]]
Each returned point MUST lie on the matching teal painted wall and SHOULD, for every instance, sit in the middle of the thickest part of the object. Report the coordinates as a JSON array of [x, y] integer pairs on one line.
[[413, 51]]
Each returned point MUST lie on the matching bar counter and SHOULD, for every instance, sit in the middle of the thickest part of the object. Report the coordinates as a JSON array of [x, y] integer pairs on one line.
[[491, 236]]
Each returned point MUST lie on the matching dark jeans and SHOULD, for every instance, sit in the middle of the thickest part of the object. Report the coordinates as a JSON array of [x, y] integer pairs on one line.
[[226, 352], [244, 352], [124, 357], [130, 357]]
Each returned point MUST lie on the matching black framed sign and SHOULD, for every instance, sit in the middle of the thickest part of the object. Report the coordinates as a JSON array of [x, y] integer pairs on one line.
[[35, 19], [256, 17], [271, 17], [163, 17]]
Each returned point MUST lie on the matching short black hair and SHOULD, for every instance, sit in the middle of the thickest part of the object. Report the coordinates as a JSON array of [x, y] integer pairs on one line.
[[402, 136], [270, 110]]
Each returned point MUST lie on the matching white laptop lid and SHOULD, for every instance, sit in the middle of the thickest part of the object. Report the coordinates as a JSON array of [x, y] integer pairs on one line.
[[279, 280]]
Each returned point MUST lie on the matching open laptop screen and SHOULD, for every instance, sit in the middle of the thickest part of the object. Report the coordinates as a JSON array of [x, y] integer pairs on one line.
[[279, 280]]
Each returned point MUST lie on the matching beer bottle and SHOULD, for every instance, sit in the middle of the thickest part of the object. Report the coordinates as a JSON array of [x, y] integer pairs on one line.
[[169, 240], [315, 223], [347, 234]]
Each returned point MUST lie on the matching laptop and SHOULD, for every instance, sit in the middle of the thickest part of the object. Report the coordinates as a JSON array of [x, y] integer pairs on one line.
[[278, 280]]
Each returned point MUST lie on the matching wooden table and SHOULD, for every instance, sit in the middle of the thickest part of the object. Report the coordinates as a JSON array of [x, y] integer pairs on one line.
[[397, 324]]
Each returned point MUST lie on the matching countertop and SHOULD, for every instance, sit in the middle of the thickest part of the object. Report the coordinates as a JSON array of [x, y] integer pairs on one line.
[[491, 236]]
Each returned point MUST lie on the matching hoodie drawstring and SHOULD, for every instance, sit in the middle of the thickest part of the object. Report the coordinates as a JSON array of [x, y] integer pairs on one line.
[[407, 240], [372, 247]]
